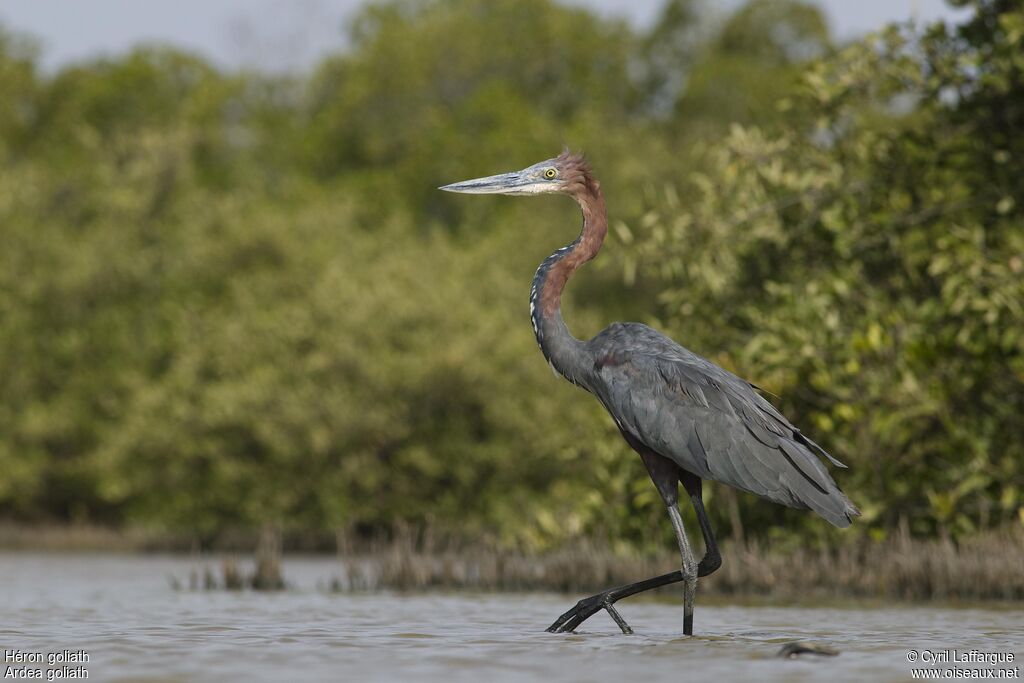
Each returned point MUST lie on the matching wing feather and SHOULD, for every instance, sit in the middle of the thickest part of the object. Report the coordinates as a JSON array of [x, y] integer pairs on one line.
[[710, 422]]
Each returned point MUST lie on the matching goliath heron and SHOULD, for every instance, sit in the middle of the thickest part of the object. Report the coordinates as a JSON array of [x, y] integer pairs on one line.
[[687, 418]]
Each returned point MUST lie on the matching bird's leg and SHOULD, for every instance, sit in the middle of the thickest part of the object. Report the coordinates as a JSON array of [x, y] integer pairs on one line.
[[588, 607], [689, 570], [665, 475], [712, 559]]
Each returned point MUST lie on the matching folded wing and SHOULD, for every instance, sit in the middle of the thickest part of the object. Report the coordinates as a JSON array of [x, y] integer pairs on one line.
[[710, 422]]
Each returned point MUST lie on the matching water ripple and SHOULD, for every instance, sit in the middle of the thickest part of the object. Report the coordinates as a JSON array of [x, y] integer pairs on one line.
[[134, 627]]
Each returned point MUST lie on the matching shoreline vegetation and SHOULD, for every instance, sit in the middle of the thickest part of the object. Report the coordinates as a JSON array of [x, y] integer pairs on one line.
[[231, 299], [988, 567]]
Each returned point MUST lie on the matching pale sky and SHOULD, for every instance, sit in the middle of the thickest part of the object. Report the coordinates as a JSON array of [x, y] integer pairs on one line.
[[289, 34]]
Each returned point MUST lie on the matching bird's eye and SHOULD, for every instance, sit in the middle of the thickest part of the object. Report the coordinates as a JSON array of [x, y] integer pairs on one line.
[[550, 173]]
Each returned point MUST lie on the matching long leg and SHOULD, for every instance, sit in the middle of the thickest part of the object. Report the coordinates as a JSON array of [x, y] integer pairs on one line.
[[588, 607], [689, 570], [712, 559]]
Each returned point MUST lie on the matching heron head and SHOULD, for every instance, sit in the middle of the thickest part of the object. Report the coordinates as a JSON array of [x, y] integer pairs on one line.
[[567, 173]]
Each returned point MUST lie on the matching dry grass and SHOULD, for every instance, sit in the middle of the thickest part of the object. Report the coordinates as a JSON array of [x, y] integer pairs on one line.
[[990, 567]]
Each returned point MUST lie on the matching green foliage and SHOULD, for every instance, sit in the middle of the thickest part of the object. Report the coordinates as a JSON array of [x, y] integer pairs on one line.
[[230, 300], [868, 268], [431, 84], [758, 55]]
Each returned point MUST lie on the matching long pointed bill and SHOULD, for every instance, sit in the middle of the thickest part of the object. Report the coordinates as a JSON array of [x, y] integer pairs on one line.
[[518, 182]]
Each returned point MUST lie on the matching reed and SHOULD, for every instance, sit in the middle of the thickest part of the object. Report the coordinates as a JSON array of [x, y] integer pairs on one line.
[[988, 567]]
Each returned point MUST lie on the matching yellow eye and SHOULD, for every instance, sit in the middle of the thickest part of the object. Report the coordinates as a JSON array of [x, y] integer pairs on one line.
[[550, 173]]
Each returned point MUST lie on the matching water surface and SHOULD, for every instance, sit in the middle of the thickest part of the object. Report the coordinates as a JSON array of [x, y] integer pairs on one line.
[[122, 611]]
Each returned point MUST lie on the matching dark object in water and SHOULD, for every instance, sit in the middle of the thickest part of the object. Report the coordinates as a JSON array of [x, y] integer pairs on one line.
[[267, 576], [797, 648], [233, 578]]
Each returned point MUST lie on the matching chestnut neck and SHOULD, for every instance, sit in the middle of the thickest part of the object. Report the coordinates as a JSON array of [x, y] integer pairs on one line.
[[566, 354]]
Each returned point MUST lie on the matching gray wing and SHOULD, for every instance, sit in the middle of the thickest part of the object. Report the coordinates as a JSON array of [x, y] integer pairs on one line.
[[710, 422]]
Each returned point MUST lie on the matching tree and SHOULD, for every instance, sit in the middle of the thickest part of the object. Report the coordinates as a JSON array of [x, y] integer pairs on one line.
[[867, 268]]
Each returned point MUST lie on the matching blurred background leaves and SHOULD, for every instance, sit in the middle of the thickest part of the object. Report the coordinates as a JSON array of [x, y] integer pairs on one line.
[[235, 299]]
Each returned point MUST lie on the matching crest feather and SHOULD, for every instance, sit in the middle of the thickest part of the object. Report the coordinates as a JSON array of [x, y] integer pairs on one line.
[[576, 171]]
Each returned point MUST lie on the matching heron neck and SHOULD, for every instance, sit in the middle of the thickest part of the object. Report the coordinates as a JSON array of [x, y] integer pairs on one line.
[[566, 354]]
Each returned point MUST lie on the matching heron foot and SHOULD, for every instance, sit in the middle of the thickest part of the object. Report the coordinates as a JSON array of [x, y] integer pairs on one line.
[[586, 608]]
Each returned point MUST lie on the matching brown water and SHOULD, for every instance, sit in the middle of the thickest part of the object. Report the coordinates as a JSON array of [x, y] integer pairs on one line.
[[123, 613]]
